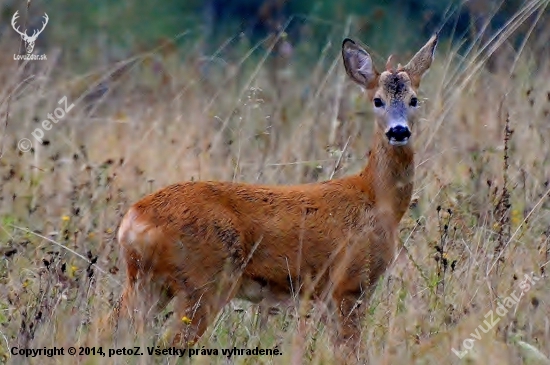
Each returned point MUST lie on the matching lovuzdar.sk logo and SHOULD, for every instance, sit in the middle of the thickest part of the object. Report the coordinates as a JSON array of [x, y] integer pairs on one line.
[[29, 39]]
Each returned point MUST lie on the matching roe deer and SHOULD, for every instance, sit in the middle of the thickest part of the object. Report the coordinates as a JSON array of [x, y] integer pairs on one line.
[[205, 243]]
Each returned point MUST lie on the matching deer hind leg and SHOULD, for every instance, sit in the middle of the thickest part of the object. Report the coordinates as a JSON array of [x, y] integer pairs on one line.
[[266, 310], [149, 254], [143, 297], [195, 311], [139, 302]]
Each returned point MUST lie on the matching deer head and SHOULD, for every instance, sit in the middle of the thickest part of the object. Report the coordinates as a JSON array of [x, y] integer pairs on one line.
[[392, 92], [29, 40]]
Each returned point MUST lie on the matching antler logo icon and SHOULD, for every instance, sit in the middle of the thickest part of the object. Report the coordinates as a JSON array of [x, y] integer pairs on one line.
[[29, 40]]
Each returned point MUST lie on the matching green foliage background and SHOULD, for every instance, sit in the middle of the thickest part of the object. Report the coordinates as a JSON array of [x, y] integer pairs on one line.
[[124, 27]]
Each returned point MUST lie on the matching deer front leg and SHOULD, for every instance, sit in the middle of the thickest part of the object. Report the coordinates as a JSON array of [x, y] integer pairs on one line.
[[350, 309]]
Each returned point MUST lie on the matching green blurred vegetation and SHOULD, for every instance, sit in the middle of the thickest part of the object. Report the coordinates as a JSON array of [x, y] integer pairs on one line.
[[87, 29]]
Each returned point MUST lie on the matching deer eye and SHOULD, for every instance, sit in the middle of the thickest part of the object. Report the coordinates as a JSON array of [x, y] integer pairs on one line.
[[378, 103], [414, 102]]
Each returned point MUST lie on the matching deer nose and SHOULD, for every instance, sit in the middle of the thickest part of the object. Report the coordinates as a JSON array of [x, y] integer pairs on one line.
[[398, 135]]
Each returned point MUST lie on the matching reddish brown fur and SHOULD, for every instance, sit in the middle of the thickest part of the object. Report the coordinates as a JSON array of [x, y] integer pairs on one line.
[[205, 243]]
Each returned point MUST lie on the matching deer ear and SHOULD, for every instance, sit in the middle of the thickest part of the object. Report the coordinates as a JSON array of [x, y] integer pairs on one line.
[[358, 64], [421, 61]]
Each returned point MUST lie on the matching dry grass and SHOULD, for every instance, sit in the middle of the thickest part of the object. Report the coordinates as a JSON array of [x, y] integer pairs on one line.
[[62, 202]]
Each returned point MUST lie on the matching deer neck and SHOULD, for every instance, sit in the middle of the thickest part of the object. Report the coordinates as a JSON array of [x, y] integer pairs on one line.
[[389, 176]]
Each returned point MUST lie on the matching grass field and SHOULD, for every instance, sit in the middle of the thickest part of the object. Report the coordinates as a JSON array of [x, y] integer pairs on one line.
[[479, 222]]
